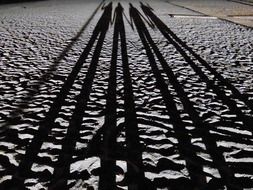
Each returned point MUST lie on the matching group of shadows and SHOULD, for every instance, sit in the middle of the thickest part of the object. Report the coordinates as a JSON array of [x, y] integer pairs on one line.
[[104, 144]]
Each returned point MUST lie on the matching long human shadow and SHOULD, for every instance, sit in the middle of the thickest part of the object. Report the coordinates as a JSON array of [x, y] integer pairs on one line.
[[227, 100], [46, 76], [184, 140], [135, 170], [109, 152], [217, 88], [68, 146], [107, 178], [24, 167], [170, 35], [202, 127]]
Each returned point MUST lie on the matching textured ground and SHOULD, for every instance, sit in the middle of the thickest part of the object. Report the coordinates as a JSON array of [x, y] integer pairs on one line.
[[237, 11], [158, 101]]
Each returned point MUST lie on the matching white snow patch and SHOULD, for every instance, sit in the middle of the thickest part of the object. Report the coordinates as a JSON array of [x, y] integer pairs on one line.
[[11, 157], [88, 164], [43, 154], [212, 171], [25, 136], [4, 178], [8, 144], [49, 145], [169, 174], [239, 160], [233, 144], [62, 122], [244, 132], [80, 145], [39, 168], [123, 165], [244, 175]]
